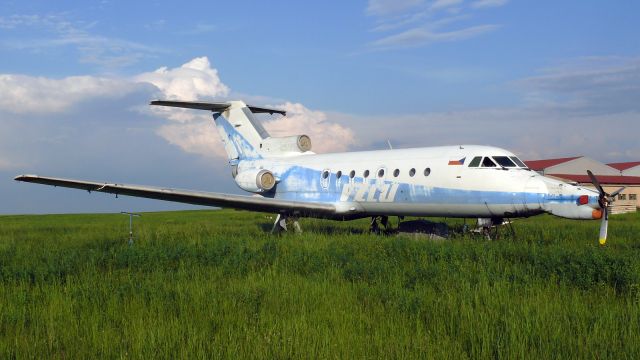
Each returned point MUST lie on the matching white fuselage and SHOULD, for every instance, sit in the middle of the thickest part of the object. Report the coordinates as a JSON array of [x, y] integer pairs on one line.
[[434, 181]]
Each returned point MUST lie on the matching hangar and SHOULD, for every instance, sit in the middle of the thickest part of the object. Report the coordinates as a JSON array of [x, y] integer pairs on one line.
[[627, 168], [611, 176]]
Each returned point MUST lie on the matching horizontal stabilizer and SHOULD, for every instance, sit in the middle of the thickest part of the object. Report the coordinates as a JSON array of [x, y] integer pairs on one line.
[[215, 107], [257, 110]]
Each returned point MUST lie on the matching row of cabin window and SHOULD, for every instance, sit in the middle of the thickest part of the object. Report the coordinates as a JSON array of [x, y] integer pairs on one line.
[[504, 161], [396, 173]]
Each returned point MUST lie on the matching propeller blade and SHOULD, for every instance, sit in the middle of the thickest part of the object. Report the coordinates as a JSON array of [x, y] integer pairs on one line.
[[604, 224], [613, 194], [596, 183]]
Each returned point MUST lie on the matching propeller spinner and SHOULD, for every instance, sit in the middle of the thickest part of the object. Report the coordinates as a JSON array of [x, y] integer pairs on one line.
[[605, 200]]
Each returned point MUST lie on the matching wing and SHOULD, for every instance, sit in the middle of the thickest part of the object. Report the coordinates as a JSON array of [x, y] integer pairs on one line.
[[253, 203]]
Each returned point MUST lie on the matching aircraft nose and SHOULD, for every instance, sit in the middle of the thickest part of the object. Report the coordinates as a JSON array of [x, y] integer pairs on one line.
[[588, 200], [571, 201]]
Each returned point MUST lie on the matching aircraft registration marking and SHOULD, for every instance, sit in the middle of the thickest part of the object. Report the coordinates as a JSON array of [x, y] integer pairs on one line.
[[369, 192]]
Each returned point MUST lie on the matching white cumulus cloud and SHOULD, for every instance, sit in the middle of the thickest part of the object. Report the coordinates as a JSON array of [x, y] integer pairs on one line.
[[191, 130], [194, 131], [325, 136], [193, 80], [196, 137], [28, 94]]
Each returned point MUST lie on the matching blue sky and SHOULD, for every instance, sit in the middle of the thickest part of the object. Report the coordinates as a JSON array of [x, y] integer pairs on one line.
[[543, 79]]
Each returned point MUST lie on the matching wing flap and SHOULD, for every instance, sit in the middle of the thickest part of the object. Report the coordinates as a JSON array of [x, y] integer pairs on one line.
[[253, 203]]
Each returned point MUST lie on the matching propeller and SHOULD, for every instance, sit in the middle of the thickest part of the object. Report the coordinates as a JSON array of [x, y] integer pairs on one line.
[[604, 200]]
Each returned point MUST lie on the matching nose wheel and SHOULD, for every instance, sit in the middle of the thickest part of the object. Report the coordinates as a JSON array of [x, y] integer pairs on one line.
[[490, 227]]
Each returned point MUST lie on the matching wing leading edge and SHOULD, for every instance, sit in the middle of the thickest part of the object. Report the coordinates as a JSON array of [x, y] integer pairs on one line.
[[253, 203]]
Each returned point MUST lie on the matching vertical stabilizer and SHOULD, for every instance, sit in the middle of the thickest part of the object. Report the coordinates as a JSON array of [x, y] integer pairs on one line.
[[240, 131], [243, 136]]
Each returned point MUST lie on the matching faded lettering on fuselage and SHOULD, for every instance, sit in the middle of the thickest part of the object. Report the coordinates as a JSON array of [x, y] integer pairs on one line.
[[362, 192]]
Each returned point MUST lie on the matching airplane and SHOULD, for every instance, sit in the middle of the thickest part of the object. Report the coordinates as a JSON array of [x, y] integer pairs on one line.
[[288, 179]]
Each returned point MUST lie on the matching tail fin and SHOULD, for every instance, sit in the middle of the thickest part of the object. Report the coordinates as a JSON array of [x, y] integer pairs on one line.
[[241, 133]]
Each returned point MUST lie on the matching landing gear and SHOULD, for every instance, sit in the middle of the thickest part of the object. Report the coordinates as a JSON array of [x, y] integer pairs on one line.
[[374, 227], [490, 227], [280, 225]]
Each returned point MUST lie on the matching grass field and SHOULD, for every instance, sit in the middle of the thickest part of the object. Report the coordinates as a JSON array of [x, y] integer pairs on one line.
[[211, 284]]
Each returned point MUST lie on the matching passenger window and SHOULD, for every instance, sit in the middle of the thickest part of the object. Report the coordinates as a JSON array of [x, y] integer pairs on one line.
[[475, 162], [427, 171], [366, 174], [396, 172], [487, 162], [338, 174], [380, 173], [412, 172], [352, 174], [325, 174]]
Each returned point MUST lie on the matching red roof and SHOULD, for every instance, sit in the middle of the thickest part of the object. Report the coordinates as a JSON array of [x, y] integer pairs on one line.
[[603, 179], [540, 165], [624, 165]]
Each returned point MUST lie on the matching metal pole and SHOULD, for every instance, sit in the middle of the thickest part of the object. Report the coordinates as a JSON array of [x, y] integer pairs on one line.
[[131, 215]]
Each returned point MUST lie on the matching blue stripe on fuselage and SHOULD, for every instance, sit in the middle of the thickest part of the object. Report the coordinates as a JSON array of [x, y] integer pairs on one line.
[[305, 184]]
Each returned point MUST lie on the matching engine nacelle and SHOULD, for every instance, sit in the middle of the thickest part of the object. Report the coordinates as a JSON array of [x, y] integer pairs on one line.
[[286, 144], [256, 180]]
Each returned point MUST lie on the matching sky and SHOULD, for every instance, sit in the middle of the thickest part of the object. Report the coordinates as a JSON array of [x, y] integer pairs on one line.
[[543, 79]]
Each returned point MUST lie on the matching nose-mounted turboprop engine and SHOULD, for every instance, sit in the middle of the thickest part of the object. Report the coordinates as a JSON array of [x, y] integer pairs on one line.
[[604, 200]]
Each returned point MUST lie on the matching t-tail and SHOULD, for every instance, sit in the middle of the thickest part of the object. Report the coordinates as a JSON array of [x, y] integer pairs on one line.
[[242, 134]]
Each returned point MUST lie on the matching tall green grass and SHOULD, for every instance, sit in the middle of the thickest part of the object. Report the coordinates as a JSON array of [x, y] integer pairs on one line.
[[216, 284]]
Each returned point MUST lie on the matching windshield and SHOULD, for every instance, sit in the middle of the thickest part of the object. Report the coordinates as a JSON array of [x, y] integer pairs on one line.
[[475, 162], [487, 162], [518, 161], [504, 161]]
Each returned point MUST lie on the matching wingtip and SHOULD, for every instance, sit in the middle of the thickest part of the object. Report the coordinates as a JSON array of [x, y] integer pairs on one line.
[[24, 177]]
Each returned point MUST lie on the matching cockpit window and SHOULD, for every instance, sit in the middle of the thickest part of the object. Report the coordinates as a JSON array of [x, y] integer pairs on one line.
[[475, 162], [518, 161], [504, 161], [487, 162]]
